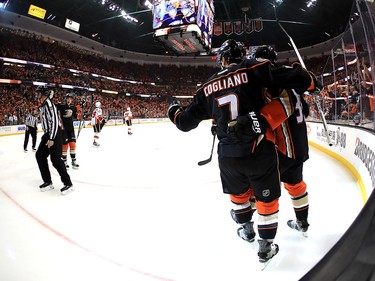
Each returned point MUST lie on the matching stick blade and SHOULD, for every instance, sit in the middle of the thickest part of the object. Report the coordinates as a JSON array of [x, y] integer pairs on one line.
[[204, 162]]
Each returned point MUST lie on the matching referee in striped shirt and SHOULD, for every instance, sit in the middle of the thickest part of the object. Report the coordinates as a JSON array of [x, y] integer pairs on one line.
[[51, 143], [31, 129]]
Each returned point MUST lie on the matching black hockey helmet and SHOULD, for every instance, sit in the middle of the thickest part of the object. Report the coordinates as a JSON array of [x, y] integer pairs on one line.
[[232, 51], [69, 95], [43, 89], [265, 52]]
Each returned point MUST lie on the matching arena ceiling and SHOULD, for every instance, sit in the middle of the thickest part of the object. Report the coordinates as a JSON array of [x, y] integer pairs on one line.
[[307, 26]]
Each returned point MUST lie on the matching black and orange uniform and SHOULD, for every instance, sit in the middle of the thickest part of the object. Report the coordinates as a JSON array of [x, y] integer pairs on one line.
[[234, 91], [68, 113], [291, 140], [293, 148]]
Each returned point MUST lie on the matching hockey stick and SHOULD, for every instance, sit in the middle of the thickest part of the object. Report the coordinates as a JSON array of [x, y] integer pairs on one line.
[[325, 126], [84, 102], [204, 162], [82, 120]]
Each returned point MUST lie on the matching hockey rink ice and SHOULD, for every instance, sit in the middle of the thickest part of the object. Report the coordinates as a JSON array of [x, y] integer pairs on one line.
[[144, 210]]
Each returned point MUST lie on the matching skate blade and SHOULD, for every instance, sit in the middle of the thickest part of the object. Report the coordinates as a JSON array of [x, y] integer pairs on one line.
[[46, 189], [75, 168], [251, 243], [65, 192], [304, 234], [263, 265]]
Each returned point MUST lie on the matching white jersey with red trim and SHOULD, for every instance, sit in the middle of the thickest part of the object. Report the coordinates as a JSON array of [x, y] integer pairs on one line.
[[96, 116], [128, 115]]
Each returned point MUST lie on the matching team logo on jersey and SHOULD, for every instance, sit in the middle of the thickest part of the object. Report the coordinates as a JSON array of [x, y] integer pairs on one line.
[[68, 113], [266, 193]]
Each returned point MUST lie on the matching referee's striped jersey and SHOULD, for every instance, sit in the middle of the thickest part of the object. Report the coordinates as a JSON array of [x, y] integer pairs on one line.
[[49, 118], [31, 121]]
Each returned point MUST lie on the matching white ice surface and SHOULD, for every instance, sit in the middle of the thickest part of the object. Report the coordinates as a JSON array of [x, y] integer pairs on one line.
[[144, 210]]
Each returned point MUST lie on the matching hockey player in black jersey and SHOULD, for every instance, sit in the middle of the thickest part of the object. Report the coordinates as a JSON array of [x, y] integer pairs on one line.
[[68, 112], [247, 154], [293, 148]]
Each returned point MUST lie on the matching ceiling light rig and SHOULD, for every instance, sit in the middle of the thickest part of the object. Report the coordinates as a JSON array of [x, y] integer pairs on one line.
[[113, 7], [311, 3]]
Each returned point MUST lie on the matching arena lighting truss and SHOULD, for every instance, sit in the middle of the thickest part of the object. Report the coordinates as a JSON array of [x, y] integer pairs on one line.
[[113, 7], [309, 3]]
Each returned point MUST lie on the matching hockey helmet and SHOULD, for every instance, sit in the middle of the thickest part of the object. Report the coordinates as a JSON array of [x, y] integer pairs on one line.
[[44, 91], [128, 109], [98, 104], [232, 51], [265, 52], [69, 95]]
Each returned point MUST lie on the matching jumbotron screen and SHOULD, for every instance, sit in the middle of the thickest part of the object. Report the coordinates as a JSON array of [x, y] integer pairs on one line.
[[185, 26]]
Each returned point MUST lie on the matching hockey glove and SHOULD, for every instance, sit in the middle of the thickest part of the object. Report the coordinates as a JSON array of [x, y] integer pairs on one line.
[[305, 108], [173, 108], [248, 127], [316, 86], [213, 129]]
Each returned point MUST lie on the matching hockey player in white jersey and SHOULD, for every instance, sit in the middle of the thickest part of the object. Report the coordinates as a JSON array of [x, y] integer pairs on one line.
[[96, 119], [128, 116]]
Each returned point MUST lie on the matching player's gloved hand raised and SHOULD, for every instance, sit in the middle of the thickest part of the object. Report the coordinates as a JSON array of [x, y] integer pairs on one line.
[[173, 108], [317, 85], [248, 127]]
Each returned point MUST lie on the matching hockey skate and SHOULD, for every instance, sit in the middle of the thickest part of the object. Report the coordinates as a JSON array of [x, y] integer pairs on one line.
[[267, 250], [66, 189], [95, 144], [74, 164], [299, 225], [66, 164], [246, 232], [33, 149], [46, 186]]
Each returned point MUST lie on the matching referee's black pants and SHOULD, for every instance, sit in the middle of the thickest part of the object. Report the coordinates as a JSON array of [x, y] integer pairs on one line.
[[55, 152]]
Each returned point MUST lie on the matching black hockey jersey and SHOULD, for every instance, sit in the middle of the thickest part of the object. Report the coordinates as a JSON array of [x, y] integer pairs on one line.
[[291, 135], [67, 114], [235, 91]]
